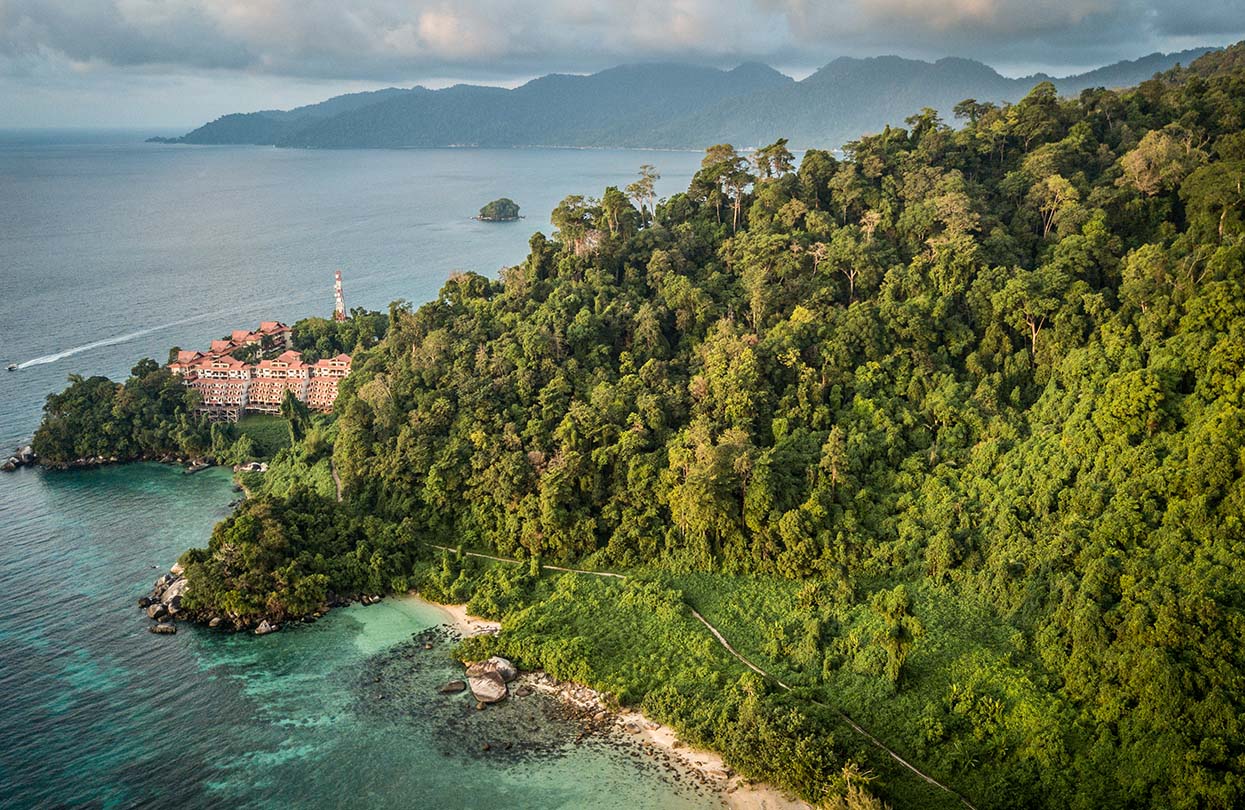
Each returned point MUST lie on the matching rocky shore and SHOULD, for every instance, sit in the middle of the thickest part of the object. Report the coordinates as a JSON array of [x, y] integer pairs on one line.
[[164, 607], [23, 457], [90, 462]]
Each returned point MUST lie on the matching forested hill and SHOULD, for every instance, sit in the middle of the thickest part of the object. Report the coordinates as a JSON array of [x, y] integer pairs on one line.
[[950, 434], [662, 105]]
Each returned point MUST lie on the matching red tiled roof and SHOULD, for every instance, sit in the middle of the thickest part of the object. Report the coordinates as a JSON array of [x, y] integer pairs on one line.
[[289, 359], [268, 327], [222, 345]]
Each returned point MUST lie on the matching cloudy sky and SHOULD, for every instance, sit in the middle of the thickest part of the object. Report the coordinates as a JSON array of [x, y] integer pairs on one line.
[[176, 63]]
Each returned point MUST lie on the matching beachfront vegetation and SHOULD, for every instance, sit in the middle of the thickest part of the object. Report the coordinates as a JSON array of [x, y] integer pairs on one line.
[[949, 434]]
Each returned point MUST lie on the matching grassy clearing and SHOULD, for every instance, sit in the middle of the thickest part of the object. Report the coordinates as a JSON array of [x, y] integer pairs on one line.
[[970, 692], [270, 434]]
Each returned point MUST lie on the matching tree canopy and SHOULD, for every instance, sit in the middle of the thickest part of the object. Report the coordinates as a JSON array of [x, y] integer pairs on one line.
[[500, 210]]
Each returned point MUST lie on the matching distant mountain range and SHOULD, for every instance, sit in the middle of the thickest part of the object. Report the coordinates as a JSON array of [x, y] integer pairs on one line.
[[658, 106]]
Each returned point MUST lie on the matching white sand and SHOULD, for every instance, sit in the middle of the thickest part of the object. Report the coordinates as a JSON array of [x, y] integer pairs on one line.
[[737, 792], [465, 623]]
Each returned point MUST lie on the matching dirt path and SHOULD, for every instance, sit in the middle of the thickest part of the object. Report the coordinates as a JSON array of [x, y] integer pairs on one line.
[[721, 639], [519, 562], [855, 726]]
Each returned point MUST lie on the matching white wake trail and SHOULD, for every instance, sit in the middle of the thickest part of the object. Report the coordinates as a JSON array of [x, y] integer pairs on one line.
[[112, 341]]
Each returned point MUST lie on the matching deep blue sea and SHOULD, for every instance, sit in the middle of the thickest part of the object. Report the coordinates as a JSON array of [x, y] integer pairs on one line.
[[112, 250]]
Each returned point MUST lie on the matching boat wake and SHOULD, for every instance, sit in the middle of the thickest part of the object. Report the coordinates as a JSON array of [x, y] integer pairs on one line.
[[112, 341]]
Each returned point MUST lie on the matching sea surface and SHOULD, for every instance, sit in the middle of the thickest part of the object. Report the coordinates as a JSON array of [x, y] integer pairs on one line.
[[112, 250]]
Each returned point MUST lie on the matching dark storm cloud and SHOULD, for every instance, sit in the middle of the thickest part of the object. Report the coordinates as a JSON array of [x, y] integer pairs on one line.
[[403, 39]]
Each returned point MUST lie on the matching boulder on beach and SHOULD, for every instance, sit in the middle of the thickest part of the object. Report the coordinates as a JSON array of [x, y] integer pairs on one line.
[[266, 627], [215, 622], [487, 687], [503, 668], [452, 687], [156, 610]]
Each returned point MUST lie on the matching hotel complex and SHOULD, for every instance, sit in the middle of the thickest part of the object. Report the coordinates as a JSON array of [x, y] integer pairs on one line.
[[230, 387]]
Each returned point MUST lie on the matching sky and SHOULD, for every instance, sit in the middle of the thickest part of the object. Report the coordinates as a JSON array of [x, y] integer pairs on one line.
[[174, 64]]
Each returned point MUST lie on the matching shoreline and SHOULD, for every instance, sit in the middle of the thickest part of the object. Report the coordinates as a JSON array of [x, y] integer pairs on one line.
[[706, 766]]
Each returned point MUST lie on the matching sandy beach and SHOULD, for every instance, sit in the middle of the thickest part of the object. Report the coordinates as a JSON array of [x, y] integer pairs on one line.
[[736, 792]]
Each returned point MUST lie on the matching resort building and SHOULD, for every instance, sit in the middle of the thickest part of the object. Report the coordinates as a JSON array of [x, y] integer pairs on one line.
[[230, 387], [273, 378], [222, 382], [322, 387]]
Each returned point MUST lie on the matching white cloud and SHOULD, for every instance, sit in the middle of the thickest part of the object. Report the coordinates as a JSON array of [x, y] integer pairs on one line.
[[375, 39], [380, 42]]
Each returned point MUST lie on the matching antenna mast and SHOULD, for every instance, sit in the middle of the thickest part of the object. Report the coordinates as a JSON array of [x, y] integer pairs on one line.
[[339, 300]]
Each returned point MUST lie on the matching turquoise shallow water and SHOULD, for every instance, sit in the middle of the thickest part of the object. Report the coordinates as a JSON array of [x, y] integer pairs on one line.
[[112, 250], [97, 712]]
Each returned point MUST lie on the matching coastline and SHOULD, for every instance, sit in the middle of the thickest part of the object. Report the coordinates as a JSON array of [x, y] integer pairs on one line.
[[654, 738]]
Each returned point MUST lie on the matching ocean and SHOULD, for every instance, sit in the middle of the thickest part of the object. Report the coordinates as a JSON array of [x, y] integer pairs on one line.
[[112, 250]]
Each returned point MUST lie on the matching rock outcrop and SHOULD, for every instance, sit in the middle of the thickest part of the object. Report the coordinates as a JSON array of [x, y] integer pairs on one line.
[[488, 679], [503, 668], [24, 457], [487, 687], [165, 602]]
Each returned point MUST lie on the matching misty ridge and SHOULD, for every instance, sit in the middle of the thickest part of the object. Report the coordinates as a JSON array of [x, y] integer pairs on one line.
[[659, 105]]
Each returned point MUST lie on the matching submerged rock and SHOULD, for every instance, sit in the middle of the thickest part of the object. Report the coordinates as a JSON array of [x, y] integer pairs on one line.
[[452, 687], [164, 628]]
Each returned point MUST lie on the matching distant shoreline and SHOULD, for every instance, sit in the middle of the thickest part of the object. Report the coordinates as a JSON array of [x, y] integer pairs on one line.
[[163, 141]]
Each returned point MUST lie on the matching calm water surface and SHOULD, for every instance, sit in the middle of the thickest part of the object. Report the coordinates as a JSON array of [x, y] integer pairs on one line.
[[112, 250]]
